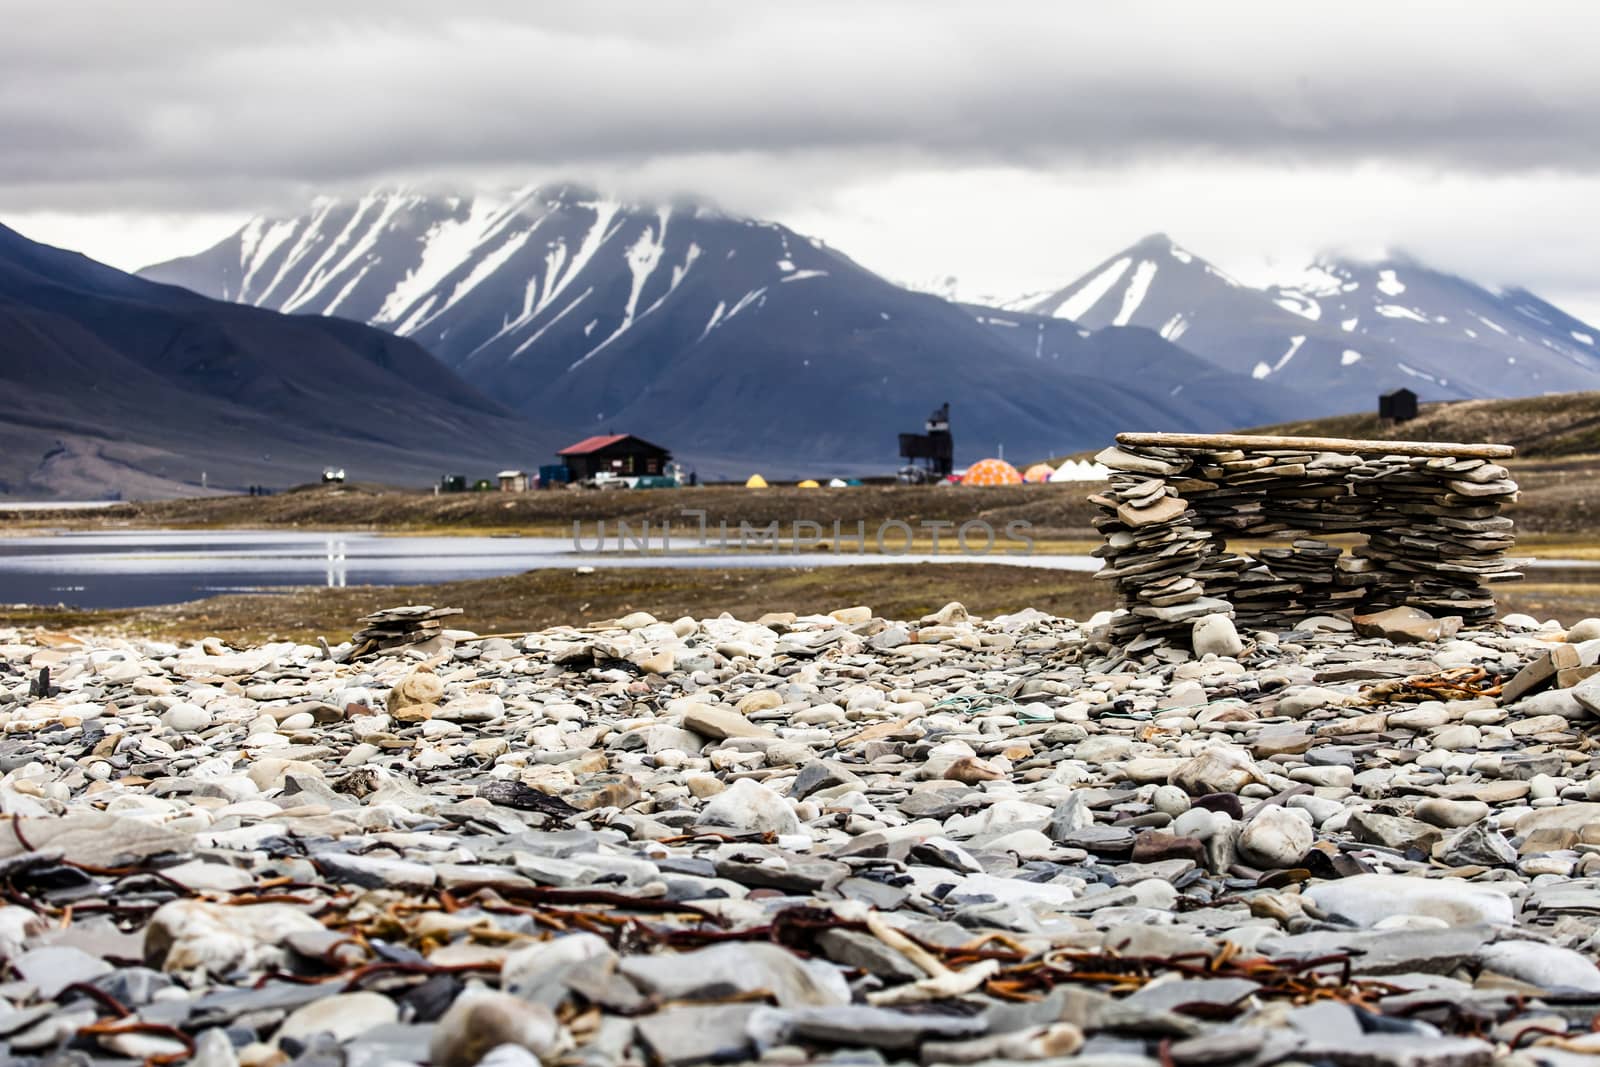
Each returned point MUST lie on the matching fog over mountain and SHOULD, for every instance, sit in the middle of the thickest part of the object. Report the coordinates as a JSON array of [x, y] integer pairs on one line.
[[1011, 144]]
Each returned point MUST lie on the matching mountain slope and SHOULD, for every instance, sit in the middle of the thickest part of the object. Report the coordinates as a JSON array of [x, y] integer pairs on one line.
[[1343, 332], [118, 384], [736, 343], [1174, 380], [1449, 333]]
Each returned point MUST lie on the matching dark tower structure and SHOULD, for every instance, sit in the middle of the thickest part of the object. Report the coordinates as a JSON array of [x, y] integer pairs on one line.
[[933, 449]]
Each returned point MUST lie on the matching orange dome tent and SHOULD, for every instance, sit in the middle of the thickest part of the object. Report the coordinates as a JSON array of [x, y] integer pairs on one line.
[[991, 472], [1039, 472]]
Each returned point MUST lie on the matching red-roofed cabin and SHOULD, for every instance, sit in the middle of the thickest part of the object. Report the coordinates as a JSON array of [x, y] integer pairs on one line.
[[621, 454]]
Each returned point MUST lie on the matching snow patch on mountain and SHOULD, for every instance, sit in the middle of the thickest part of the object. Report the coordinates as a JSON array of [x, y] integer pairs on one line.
[[1395, 311], [1301, 305], [557, 317], [446, 244], [1424, 375], [1262, 369], [485, 268], [1134, 294], [1089, 293]]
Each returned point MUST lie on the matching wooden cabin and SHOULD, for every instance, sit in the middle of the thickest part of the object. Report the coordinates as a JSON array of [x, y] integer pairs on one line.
[[621, 454], [1399, 405]]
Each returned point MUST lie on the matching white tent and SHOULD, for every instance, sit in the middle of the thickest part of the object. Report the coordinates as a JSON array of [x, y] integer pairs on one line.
[[1076, 470]]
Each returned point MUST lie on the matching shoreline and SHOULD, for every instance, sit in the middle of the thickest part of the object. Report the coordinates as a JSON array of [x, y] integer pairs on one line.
[[552, 595]]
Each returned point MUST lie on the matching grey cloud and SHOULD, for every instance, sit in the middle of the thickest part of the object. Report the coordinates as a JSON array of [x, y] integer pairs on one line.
[[168, 103]]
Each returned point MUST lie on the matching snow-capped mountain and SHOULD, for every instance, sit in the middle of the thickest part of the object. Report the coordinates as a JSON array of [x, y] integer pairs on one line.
[[1342, 331], [730, 340], [1448, 333]]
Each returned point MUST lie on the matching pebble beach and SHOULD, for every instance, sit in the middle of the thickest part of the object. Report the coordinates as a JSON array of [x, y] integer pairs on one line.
[[822, 839]]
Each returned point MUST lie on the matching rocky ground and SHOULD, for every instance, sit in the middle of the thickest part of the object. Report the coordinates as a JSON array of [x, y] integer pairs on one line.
[[831, 838]]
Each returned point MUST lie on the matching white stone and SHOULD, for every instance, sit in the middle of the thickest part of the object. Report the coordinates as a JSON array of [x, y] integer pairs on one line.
[[480, 1021], [345, 1015], [1546, 966], [194, 935], [1215, 635], [1275, 838], [1451, 814], [1170, 800], [749, 805], [1584, 630], [1220, 769], [531, 962], [186, 718], [1458, 737], [1562, 702], [1367, 899]]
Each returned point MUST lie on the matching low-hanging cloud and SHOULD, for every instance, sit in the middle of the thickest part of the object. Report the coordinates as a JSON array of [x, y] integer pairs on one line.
[[1011, 143], [175, 104]]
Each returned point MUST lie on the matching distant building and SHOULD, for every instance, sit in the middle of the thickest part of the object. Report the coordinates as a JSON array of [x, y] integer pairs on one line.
[[513, 481], [621, 454], [1399, 405], [932, 451]]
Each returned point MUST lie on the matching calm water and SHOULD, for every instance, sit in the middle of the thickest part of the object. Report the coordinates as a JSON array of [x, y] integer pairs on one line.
[[139, 567]]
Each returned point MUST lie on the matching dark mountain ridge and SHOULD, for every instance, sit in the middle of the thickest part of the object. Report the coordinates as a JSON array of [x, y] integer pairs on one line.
[[139, 387]]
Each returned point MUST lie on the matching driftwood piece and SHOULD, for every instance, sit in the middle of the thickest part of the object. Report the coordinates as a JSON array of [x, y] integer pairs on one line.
[[1221, 441]]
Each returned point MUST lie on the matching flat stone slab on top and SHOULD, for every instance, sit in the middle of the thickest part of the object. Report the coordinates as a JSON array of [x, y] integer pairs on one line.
[[1257, 442]]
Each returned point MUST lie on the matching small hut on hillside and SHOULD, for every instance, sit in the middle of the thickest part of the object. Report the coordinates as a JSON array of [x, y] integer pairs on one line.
[[1398, 405]]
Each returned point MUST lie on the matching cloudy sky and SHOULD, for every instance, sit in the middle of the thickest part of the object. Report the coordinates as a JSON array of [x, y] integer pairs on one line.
[[1008, 145]]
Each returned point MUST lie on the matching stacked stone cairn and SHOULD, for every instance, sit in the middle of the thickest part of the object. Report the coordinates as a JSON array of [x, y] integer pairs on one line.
[[1434, 538], [396, 628]]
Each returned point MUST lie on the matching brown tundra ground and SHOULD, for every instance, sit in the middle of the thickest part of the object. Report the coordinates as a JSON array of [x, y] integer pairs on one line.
[[1554, 520]]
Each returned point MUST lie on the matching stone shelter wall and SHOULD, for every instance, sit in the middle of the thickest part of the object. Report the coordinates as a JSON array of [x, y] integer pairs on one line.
[[1427, 517]]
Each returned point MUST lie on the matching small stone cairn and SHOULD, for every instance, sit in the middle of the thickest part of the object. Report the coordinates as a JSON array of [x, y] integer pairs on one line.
[[402, 627], [1430, 515]]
